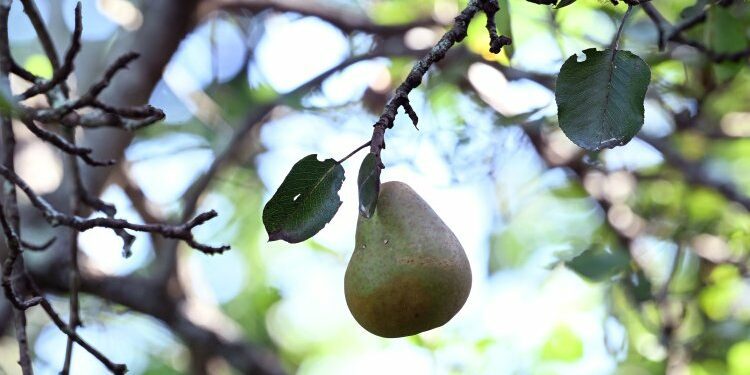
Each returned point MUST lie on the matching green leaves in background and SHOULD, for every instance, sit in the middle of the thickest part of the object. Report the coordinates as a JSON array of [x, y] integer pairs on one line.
[[600, 100], [563, 345], [369, 185], [599, 264], [738, 358], [306, 201], [39, 65], [725, 33]]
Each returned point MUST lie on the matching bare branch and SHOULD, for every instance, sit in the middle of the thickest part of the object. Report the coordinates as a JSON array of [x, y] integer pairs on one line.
[[74, 319], [13, 265], [61, 73], [23, 73], [56, 218], [115, 368], [23, 342], [497, 42], [34, 247], [63, 145], [14, 245], [56, 113], [669, 33], [41, 31]]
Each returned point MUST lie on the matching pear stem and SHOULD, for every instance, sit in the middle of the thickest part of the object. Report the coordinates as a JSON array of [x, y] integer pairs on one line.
[[360, 148]]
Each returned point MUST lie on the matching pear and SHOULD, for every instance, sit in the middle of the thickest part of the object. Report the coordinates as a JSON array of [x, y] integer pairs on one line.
[[408, 273]]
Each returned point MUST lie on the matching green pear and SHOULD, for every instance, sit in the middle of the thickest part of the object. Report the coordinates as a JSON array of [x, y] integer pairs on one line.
[[408, 273]]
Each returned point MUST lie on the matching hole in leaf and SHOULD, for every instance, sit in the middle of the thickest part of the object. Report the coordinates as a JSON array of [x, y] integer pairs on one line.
[[296, 197], [580, 57]]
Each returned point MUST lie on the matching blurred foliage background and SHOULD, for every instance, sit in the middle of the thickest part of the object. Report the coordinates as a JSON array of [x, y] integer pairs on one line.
[[632, 260]]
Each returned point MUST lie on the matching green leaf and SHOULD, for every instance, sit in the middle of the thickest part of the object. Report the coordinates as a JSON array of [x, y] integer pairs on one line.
[[564, 3], [369, 185], [600, 100], [599, 264], [502, 20], [306, 201]]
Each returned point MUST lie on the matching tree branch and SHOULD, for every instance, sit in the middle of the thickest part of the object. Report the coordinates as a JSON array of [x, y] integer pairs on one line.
[[13, 266], [695, 174], [61, 73], [338, 16], [41, 31], [668, 33], [56, 218], [147, 296], [455, 35]]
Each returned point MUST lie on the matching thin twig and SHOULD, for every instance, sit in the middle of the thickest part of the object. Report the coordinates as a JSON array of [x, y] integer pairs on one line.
[[497, 42], [41, 31], [669, 33], [61, 73], [56, 113], [64, 145], [660, 23], [34, 247], [23, 73], [115, 368], [367, 144], [455, 35], [74, 320], [14, 247]]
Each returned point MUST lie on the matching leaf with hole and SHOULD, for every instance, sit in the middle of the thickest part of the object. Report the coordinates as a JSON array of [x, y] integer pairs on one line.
[[369, 185], [306, 201], [600, 100]]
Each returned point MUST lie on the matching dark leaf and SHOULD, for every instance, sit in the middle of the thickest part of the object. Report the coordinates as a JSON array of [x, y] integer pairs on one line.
[[639, 286], [598, 264], [564, 3], [543, 2], [306, 201], [600, 100], [369, 185], [693, 10]]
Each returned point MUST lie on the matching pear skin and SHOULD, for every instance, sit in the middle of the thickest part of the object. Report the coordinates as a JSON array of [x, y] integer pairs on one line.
[[408, 273]]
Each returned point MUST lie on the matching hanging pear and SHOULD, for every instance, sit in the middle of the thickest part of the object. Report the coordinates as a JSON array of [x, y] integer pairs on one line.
[[408, 273]]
